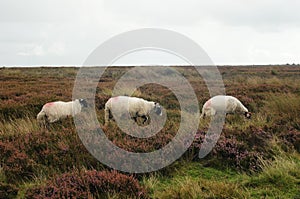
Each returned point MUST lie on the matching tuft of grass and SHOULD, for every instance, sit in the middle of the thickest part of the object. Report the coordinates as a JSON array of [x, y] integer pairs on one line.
[[192, 180], [274, 72], [17, 126], [279, 178], [284, 109], [240, 123], [190, 188]]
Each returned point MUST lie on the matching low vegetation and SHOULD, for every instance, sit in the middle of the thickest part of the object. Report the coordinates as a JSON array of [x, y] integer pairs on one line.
[[257, 158]]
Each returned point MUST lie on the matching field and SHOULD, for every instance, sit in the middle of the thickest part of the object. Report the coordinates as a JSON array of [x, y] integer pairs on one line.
[[257, 158]]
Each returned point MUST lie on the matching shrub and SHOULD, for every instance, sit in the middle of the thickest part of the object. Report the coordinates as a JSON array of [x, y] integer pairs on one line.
[[231, 150], [16, 164], [24, 154], [98, 184], [8, 191], [235, 153], [257, 139], [291, 139], [274, 72]]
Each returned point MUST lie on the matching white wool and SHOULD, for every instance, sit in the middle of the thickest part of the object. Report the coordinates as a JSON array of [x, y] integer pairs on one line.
[[135, 106], [222, 103], [55, 111]]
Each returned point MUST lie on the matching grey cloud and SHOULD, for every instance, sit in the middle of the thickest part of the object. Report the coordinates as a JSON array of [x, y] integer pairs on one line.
[[259, 14], [255, 14], [38, 11], [167, 12], [48, 32]]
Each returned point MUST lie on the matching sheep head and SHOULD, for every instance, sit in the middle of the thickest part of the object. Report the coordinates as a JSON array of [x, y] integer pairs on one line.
[[248, 115], [83, 103], [157, 109]]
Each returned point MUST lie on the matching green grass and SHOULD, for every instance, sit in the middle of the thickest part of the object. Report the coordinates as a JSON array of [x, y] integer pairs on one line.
[[192, 180], [278, 179], [17, 126]]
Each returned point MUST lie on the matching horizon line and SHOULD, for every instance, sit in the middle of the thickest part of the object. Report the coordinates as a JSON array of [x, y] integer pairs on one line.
[[142, 65]]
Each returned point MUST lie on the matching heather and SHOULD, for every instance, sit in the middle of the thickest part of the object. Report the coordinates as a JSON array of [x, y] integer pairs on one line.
[[256, 158]]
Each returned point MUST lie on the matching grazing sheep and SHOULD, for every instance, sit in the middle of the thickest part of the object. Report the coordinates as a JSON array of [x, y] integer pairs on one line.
[[54, 111], [220, 102], [136, 107]]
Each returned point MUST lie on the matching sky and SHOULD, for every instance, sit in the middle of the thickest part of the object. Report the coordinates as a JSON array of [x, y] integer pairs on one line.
[[232, 32]]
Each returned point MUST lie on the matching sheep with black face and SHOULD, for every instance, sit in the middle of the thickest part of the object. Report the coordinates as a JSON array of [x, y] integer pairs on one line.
[[54, 111], [137, 107], [224, 103]]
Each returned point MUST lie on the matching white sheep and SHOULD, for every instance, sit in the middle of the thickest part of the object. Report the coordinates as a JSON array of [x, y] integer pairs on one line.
[[136, 107], [224, 103], [54, 111]]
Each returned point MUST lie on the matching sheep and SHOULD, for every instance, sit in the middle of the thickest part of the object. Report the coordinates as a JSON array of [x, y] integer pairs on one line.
[[54, 111], [220, 102], [137, 107]]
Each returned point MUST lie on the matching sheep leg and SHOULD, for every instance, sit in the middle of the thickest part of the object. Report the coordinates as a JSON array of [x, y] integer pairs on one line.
[[145, 118], [42, 123], [107, 115], [202, 116], [47, 124], [135, 118], [52, 119]]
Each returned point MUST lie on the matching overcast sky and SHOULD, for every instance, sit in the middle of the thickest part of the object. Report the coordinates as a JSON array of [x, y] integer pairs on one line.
[[56, 32]]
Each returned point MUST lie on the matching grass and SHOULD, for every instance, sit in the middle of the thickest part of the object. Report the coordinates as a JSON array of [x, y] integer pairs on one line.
[[192, 180], [17, 126], [286, 109], [271, 93], [279, 178]]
